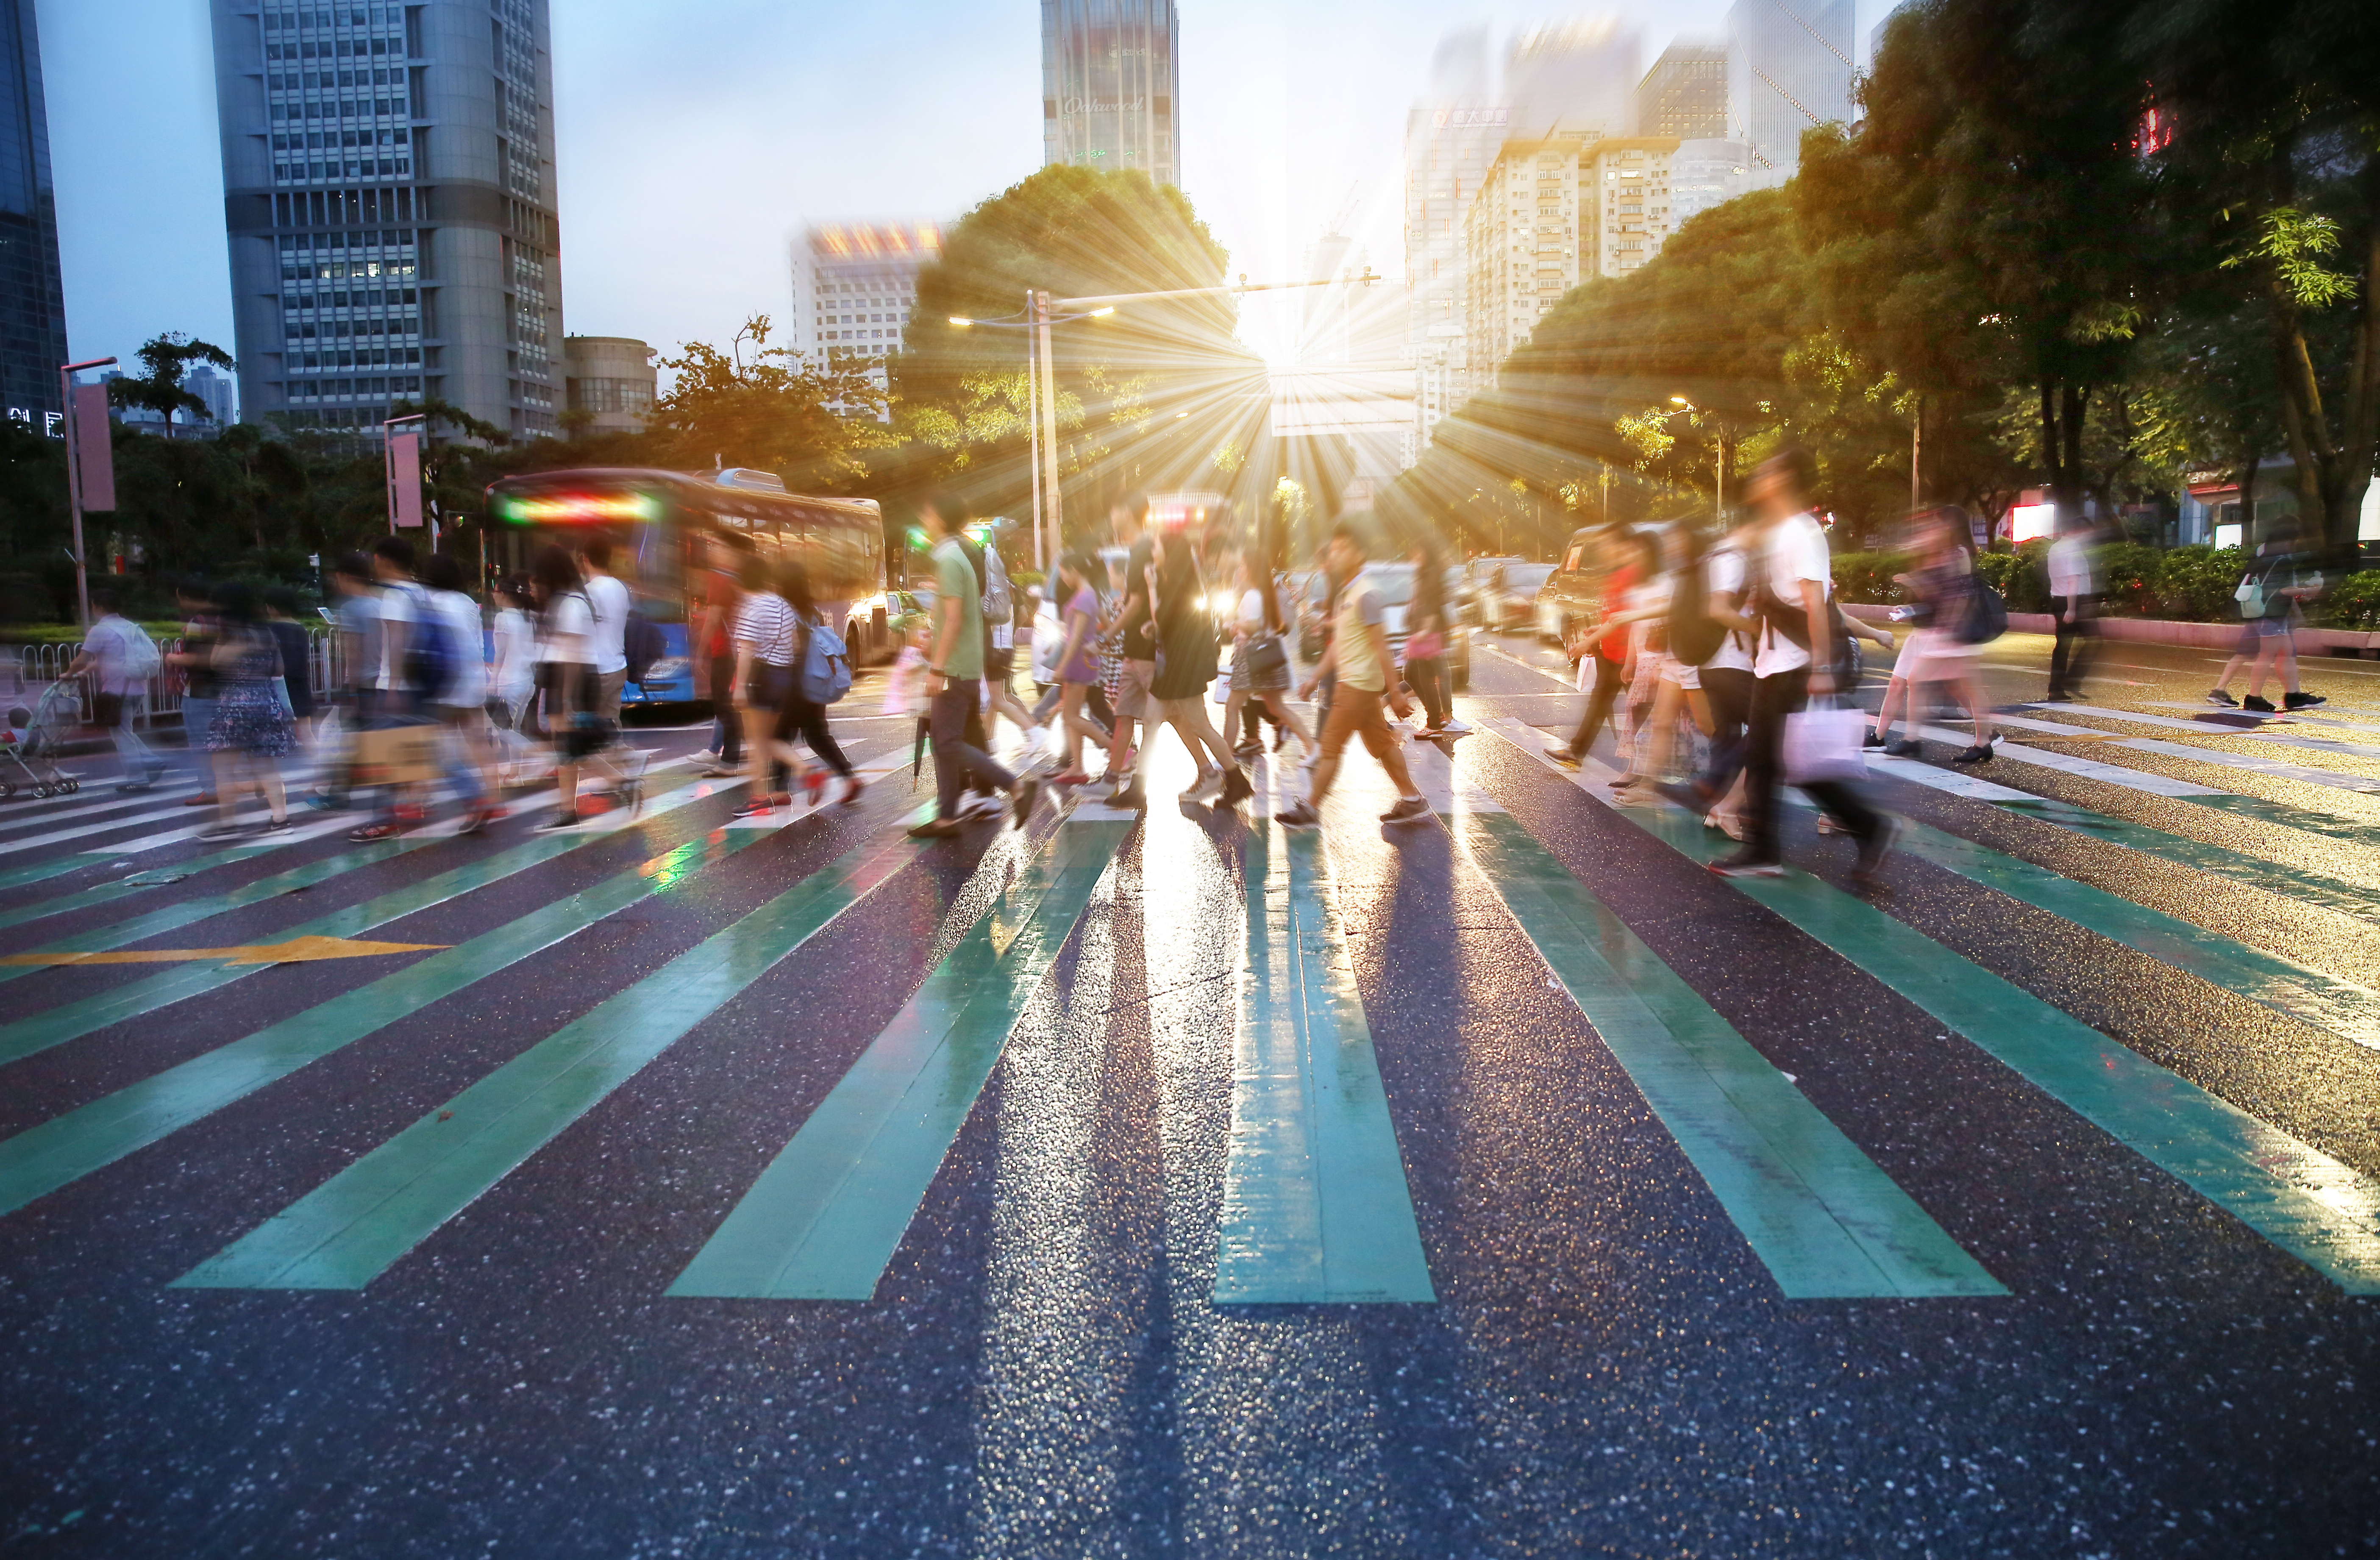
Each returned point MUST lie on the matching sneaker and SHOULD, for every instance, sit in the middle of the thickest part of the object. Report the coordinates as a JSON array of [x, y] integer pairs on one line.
[[205, 798], [852, 787], [2301, 701], [1747, 866], [371, 832], [1247, 750], [1980, 753], [560, 821], [1236, 789], [1455, 728], [2257, 703], [1029, 791], [982, 804], [1907, 748], [760, 809], [1874, 738], [1409, 810], [2058, 696], [272, 826], [938, 828], [2216, 696], [1298, 815], [1197, 790], [1878, 847]]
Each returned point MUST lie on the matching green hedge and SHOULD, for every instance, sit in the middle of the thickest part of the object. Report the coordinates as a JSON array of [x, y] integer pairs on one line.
[[2181, 584]]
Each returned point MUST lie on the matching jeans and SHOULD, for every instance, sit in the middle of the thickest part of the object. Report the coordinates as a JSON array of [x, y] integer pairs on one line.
[[1773, 698], [1608, 686], [955, 760], [1429, 679], [198, 715], [1729, 690], [2073, 640], [114, 713]]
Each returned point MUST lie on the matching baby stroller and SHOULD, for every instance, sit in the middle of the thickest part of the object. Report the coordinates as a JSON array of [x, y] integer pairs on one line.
[[34, 740]]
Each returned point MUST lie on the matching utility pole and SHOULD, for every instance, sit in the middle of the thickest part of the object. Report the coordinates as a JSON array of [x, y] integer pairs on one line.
[[1917, 447], [1033, 431], [75, 435], [1041, 305]]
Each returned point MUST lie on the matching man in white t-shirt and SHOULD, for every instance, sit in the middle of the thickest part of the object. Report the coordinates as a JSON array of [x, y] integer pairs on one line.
[[114, 647], [1790, 580], [608, 599]]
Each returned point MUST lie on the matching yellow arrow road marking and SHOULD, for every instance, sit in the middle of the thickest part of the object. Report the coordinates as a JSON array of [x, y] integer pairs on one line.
[[298, 950]]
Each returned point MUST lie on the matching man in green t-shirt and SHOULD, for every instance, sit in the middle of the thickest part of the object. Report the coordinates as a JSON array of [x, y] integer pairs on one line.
[[955, 677]]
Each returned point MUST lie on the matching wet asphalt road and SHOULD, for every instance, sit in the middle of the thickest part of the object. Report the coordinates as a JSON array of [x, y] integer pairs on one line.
[[1609, 1362]]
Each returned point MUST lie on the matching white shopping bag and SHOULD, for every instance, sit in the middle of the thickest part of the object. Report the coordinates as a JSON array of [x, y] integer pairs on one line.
[[1821, 743]]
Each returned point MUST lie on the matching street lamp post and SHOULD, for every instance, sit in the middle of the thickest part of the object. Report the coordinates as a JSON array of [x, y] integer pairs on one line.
[[1718, 447], [1050, 512], [73, 478]]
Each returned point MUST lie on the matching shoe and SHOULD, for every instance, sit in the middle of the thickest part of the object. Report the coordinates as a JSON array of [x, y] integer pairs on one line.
[[2257, 703], [371, 832], [814, 786], [1728, 824], [560, 820], [781, 799], [1907, 748], [478, 818], [219, 831], [982, 804], [2058, 696], [760, 809], [205, 798], [1409, 810], [1455, 728], [1298, 815], [1561, 754], [1980, 753], [1246, 750], [1128, 799], [1745, 865], [1070, 777], [938, 828], [852, 787], [1873, 853], [1429, 734], [2216, 696], [1235, 790], [1029, 791], [1197, 790], [322, 803], [1873, 739], [2301, 701], [272, 826]]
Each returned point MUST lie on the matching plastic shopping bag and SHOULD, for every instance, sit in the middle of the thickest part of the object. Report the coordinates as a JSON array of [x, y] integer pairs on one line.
[[1821, 743]]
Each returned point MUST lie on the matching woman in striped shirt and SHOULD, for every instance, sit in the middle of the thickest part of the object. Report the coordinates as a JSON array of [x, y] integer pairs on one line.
[[764, 634]]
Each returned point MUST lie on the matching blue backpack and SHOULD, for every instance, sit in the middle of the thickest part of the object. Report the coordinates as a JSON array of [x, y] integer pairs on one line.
[[826, 666], [432, 660]]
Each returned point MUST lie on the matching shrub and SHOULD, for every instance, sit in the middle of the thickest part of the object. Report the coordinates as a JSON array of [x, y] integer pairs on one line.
[[1865, 579], [2353, 602], [2021, 577], [2198, 581]]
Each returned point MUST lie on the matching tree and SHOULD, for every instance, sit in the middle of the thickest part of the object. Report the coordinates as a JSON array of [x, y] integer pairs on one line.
[[775, 409], [165, 360]]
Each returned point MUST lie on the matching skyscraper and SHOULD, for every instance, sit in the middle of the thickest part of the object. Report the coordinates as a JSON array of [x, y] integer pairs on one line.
[[1109, 85], [854, 286], [1451, 140], [389, 192], [1685, 94], [1575, 79], [1787, 68], [32, 304]]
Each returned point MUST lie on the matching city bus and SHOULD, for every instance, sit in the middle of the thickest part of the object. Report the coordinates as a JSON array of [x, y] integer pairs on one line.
[[658, 522]]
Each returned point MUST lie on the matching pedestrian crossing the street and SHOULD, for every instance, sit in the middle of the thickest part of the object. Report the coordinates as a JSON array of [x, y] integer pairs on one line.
[[1318, 1199]]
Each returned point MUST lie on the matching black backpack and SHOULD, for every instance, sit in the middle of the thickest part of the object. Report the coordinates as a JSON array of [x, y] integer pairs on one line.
[[1694, 634], [641, 644]]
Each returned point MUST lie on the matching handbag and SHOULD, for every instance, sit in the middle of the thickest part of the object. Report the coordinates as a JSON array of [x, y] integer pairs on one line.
[[1822, 744], [1986, 615], [1427, 646], [1265, 655]]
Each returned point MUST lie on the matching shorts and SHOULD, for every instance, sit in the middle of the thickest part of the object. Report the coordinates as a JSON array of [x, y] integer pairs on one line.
[[768, 685], [2260, 628], [1132, 695], [607, 693], [1676, 671], [1000, 664]]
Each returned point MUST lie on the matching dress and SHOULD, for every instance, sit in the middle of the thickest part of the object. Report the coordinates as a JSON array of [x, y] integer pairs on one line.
[[250, 718], [1186, 638]]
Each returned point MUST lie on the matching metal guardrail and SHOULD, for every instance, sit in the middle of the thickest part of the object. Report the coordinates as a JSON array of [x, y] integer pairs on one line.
[[36, 667]]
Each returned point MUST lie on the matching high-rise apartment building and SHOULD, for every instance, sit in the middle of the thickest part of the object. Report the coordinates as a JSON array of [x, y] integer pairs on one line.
[[33, 302], [1520, 249], [1110, 85], [1450, 139], [1684, 95], [389, 190], [854, 283], [1789, 67], [1575, 77]]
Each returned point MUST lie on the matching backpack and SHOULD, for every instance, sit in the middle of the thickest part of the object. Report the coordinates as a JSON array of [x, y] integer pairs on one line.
[[1694, 634], [826, 666], [998, 598], [641, 643], [432, 660], [1988, 620], [142, 659]]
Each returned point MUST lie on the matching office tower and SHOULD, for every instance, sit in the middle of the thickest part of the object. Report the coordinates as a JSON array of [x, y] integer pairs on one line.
[[1451, 139], [612, 379], [1109, 85], [1787, 68], [389, 190], [1575, 78], [1520, 249], [854, 286], [1684, 95], [217, 389], [32, 303]]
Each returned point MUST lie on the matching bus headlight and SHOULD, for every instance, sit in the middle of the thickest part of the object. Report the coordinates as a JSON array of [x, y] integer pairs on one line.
[[669, 668]]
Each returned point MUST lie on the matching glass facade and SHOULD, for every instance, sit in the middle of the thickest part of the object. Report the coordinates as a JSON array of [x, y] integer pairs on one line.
[[32, 305], [1109, 84], [1787, 68]]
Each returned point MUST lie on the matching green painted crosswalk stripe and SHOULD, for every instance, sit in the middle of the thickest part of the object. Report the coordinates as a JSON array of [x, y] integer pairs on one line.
[[1315, 1207], [2330, 824], [42, 1159], [1819, 1213], [179, 982], [347, 1231], [107, 893], [827, 1215], [2311, 1205]]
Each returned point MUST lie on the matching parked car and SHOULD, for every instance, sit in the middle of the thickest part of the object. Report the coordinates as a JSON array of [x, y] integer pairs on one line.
[[1395, 584], [1468, 597], [1510, 604], [1573, 593]]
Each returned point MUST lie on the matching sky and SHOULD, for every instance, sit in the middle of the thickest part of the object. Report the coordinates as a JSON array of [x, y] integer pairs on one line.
[[697, 139]]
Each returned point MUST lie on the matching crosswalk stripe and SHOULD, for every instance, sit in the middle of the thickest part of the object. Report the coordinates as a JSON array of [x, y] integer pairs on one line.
[[39, 872], [131, 821], [825, 1218], [1315, 1207], [2274, 877], [42, 1159], [2313, 1207], [13, 823], [134, 999], [1820, 1215], [107, 893], [351, 1229], [2219, 757]]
